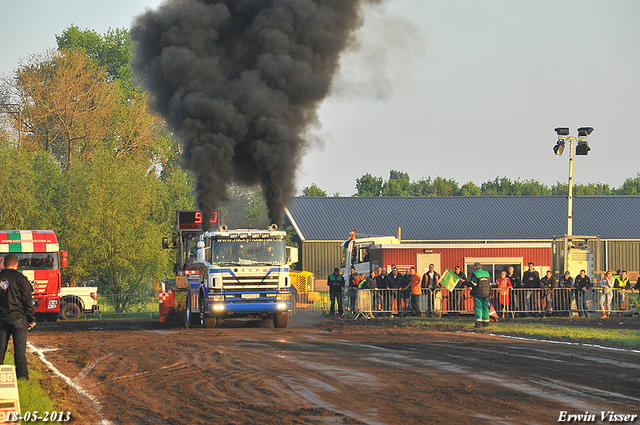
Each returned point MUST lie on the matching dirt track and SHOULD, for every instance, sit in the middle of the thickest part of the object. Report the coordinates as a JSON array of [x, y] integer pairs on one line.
[[333, 371]]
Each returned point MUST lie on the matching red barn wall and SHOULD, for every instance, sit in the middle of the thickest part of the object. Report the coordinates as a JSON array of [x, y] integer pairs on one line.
[[451, 257]]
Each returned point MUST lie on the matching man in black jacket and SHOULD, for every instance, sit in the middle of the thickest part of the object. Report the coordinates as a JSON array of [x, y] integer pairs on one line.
[[430, 281], [531, 281], [16, 314], [381, 290], [335, 282], [517, 295], [395, 284], [548, 284], [565, 289], [457, 296], [582, 284]]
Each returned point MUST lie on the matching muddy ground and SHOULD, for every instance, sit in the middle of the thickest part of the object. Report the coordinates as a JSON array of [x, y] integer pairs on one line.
[[333, 371]]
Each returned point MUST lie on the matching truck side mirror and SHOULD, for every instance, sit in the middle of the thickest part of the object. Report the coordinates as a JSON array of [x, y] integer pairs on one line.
[[165, 243], [201, 254], [64, 259], [292, 255]]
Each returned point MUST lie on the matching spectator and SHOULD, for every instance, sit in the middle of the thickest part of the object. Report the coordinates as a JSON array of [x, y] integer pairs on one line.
[[17, 315], [371, 285], [581, 285], [381, 290], [531, 281], [503, 289], [607, 283], [335, 281], [406, 288], [621, 286], [548, 284], [564, 291], [430, 281], [354, 281], [517, 295], [481, 291], [394, 283], [416, 291], [457, 296]]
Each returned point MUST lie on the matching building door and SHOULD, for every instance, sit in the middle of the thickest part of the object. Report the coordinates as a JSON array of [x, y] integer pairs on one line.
[[423, 261]]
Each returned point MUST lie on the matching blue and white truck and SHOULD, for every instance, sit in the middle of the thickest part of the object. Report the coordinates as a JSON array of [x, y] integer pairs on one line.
[[226, 274], [244, 273]]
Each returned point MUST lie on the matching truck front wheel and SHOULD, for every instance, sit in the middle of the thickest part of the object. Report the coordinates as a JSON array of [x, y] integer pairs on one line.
[[207, 322], [69, 311], [281, 320], [191, 320]]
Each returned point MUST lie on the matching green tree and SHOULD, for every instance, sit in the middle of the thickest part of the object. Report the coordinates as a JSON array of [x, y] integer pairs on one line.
[[397, 185], [560, 189], [112, 51], [368, 185], [531, 188], [110, 228], [504, 186], [94, 165], [631, 186], [397, 188], [591, 189], [22, 175], [68, 105], [436, 187], [313, 190], [470, 189], [47, 185], [398, 175]]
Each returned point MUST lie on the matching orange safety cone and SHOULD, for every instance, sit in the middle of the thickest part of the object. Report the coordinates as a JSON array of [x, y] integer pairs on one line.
[[493, 315]]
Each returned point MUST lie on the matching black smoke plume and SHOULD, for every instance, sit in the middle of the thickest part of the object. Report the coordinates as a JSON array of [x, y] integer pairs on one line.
[[239, 82]]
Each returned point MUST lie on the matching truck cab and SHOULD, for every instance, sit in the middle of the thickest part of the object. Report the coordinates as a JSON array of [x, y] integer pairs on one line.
[[40, 260], [244, 273], [355, 252]]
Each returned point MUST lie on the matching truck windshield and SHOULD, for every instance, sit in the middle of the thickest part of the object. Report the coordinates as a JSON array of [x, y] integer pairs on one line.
[[35, 260], [248, 252]]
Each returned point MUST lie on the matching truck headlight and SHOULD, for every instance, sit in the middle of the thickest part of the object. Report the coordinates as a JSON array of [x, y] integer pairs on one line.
[[218, 307], [281, 306], [283, 296], [217, 298]]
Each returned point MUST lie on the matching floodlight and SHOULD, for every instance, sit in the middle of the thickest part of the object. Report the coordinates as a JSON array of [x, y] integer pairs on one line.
[[584, 131], [559, 147], [582, 148], [562, 131]]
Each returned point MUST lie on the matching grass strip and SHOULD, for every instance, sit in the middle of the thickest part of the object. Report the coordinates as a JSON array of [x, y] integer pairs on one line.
[[585, 332], [33, 396]]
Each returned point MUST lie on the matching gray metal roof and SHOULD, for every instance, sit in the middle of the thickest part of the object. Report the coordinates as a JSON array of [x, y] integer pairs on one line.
[[464, 218]]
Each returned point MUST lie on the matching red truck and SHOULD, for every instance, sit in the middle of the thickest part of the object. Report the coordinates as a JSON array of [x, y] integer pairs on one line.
[[40, 260]]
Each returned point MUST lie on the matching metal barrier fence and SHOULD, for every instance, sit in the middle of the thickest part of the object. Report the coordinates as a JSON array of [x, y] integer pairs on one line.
[[519, 302], [370, 302]]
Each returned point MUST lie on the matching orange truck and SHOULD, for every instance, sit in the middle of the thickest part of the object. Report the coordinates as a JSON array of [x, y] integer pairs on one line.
[[40, 260]]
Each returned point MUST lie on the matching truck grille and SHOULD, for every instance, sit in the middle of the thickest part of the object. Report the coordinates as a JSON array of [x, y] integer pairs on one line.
[[240, 283]]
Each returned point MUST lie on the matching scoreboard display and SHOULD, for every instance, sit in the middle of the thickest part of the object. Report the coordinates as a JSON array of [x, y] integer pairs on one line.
[[193, 220]]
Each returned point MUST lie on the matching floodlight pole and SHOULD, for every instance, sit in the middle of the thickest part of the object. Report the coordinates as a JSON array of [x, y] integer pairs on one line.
[[570, 202]]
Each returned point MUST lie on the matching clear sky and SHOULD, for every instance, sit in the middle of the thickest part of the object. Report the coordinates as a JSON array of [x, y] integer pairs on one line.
[[462, 89]]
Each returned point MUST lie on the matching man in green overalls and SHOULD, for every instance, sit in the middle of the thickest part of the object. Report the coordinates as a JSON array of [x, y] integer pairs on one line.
[[481, 291]]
